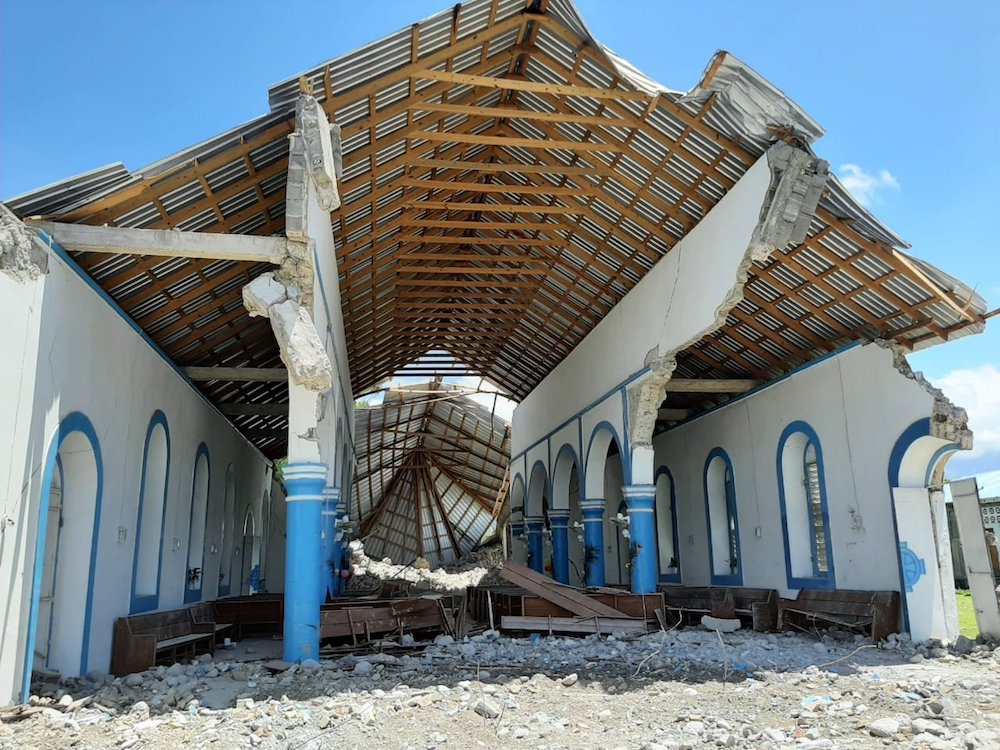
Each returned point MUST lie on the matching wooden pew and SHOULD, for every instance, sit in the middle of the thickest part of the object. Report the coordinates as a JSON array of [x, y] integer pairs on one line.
[[875, 613], [690, 603], [257, 615], [143, 641]]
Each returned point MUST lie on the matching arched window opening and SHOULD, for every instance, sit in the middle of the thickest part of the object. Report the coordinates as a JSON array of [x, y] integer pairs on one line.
[[228, 532], [148, 556], [196, 527], [666, 528], [805, 517], [723, 520]]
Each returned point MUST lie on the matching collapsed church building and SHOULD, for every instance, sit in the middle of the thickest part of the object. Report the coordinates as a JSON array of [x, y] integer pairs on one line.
[[705, 333]]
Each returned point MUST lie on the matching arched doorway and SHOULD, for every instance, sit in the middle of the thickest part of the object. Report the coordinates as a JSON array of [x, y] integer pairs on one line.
[[535, 508], [604, 478], [566, 520], [66, 552], [249, 556]]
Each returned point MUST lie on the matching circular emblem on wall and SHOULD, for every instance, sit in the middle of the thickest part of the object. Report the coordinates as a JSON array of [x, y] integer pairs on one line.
[[913, 566]]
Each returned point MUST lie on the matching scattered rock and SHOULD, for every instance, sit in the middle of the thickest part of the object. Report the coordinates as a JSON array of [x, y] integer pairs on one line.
[[884, 728]]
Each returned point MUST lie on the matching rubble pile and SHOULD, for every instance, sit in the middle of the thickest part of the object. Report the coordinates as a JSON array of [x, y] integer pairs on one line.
[[365, 567], [678, 689]]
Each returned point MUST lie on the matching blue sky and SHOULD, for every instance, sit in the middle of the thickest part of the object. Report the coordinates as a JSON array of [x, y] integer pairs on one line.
[[906, 91]]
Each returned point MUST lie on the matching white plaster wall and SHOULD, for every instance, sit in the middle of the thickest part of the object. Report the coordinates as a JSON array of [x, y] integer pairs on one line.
[[859, 405], [73, 352], [670, 306]]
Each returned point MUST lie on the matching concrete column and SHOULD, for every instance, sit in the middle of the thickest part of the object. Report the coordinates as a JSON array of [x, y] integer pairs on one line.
[[304, 484], [331, 546], [639, 499], [559, 522], [536, 548], [593, 540], [339, 543]]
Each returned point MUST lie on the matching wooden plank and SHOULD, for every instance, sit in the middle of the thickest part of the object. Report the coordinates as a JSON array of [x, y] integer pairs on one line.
[[239, 374], [582, 625], [563, 596], [520, 84], [510, 140], [440, 239], [515, 113], [169, 243], [493, 226], [489, 187], [247, 408], [480, 166], [710, 385], [510, 208]]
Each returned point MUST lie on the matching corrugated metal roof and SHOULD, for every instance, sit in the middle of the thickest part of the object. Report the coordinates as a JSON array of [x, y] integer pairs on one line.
[[431, 469], [651, 165]]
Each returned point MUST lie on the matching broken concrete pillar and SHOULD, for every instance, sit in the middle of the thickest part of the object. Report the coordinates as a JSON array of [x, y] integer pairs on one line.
[[21, 256], [593, 540], [965, 496], [299, 344], [639, 499]]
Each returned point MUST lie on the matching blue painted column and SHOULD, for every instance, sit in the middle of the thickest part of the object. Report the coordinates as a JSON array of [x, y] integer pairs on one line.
[[331, 547], [639, 499], [593, 540], [304, 484], [536, 548], [559, 523]]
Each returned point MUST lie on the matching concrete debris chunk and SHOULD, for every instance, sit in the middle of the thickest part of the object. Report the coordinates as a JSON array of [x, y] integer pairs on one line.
[[722, 625]]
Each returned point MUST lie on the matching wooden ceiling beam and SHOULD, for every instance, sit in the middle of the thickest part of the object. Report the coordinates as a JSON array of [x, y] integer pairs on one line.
[[512, 141], [521, 84], [488, 187], [517, 113]]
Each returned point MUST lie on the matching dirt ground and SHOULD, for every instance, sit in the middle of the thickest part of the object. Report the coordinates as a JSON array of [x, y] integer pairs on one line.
[[687, 688]]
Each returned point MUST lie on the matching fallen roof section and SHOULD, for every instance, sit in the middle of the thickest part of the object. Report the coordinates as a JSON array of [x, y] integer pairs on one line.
[[432, 473]]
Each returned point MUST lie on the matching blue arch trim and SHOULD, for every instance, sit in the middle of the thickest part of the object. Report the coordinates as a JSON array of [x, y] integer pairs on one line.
[[566, 448], [663, 471], [625, 458], [736, 578], [829, 579], [545, 487], [920, 428], [74, 422], [194, 594], [940, 453], [150, 602]]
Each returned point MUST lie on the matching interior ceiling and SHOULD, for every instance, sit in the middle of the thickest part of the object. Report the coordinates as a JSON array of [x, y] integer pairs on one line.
[[506, 181], [432, 473]]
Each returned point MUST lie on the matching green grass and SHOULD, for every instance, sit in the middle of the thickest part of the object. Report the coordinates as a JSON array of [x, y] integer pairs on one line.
[[966, 615]]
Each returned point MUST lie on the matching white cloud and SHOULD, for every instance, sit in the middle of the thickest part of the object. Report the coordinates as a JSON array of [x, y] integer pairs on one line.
[[978, 392], [864, 186]]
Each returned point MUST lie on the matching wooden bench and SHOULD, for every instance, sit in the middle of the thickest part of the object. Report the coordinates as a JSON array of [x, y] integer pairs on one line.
[[875, 613], [143, 641], [256, 615], [206, 614], [690, 603]]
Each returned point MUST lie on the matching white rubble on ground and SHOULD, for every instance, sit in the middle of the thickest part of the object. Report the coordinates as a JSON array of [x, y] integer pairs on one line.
[[687, 688], [386, 570]]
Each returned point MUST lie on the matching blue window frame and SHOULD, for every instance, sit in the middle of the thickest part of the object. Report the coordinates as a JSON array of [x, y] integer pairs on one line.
[[805, 516]]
